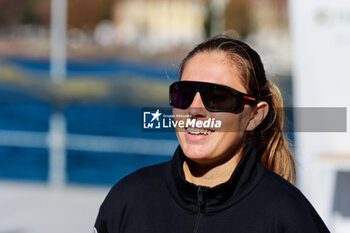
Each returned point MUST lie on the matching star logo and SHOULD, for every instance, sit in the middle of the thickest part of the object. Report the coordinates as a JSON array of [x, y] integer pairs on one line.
[[151, 119], [156, 115]]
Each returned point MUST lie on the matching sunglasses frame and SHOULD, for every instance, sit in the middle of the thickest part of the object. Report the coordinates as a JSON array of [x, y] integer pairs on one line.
[[241, 98]]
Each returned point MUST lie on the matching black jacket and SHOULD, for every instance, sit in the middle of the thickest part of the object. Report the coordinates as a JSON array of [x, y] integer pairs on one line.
[[157, 199]]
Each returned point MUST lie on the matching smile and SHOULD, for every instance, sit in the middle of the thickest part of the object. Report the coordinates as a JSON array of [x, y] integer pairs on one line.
[[199, 131]]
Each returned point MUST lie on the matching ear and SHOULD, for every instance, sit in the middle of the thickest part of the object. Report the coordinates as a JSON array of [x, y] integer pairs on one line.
[[258, 115]]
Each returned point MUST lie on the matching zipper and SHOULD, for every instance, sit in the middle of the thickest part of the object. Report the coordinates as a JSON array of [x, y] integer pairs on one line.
[[201, 207]]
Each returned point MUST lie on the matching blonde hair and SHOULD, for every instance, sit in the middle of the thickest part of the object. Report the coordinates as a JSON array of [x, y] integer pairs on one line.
[[268, 138]]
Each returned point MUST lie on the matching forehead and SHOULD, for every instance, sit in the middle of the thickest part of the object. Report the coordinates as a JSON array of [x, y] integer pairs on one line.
[[214, 67]]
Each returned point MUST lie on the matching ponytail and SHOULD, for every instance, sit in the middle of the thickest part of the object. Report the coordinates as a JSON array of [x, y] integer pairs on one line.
[[269, 138]]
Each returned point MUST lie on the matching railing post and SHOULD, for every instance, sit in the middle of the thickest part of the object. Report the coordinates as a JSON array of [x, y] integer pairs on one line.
[[57, 133]]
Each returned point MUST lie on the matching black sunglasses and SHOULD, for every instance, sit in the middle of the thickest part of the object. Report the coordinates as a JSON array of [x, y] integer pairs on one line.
[[215, 97]]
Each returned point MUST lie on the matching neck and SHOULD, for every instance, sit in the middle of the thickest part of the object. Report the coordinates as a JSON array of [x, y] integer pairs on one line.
[[210, 175]]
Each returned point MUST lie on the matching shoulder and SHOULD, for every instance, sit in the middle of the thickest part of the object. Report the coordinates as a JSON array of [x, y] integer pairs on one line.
[[288, 204], [278, 190], [140, 181], [281, 187], [144, 177], [128, 194]]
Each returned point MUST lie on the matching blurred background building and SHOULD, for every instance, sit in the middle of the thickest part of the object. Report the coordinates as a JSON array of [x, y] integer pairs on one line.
[[64, 142]]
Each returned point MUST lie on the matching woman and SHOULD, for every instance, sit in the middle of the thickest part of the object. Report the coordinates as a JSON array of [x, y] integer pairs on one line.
[[236, 178]]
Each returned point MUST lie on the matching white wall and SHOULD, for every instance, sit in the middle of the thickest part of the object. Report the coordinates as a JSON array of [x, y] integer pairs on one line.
[[321, 78]]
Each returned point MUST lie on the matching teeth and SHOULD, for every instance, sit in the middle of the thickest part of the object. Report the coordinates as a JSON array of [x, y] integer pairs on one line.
[[196, 131]]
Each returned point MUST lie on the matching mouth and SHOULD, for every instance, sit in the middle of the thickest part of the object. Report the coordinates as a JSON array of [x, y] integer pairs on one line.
[[199, 131]]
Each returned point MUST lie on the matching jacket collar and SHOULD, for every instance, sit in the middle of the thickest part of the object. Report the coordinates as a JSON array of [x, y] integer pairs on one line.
[[244, 178]]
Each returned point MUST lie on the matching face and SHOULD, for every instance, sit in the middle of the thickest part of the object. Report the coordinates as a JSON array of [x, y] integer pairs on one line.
[[213, 145]]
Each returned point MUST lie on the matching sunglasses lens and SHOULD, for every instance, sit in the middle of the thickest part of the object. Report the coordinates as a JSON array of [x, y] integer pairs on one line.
[[181, 95], [219, 98], [215, 97]]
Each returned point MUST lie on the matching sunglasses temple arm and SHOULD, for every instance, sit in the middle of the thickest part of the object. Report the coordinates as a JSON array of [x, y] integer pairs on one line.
[[250, 98]]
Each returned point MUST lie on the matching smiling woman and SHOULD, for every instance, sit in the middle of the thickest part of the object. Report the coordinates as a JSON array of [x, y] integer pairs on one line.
[[216, 154], [237, 178]]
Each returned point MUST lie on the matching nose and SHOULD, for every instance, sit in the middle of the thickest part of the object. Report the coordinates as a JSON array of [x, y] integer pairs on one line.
[[197, 108]]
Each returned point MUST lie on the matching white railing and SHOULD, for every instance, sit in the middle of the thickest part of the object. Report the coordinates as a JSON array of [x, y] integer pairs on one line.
[[94, 143], [58, 143]]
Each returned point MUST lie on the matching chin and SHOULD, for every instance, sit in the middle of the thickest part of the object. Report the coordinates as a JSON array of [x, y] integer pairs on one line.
[[196, 153], [198, 149]]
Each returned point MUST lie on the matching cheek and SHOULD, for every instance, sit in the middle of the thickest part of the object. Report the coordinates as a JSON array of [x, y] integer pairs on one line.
[[232, 131], [176, 111], [230, 141], [179, 115], [231, 122]]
